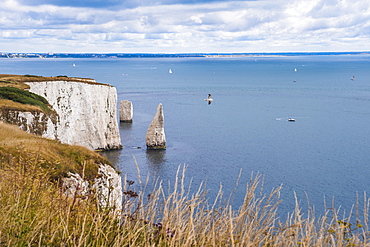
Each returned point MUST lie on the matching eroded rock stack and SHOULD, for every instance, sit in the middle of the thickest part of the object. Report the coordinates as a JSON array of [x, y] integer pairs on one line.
[[125, 111], [155, 136]]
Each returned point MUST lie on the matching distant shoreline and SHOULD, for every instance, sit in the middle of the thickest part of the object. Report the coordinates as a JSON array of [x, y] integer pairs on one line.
[[174, 55]]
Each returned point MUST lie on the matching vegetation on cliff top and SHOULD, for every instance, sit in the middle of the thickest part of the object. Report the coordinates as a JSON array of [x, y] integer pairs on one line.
[[56, 158], [14, 88], [24, 97], [20, 80]]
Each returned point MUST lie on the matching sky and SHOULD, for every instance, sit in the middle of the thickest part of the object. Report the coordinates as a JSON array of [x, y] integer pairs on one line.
[[184, 26]]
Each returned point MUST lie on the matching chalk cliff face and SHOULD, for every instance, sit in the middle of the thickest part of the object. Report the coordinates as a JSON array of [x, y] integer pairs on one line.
[[35, 122], [108, 186], [86, 113]]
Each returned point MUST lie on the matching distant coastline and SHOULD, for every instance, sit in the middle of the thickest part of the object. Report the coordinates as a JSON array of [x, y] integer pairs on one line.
[[173, 55]]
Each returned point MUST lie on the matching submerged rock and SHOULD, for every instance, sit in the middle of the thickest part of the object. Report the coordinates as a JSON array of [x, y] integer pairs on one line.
[[155, 136], [125, 111]]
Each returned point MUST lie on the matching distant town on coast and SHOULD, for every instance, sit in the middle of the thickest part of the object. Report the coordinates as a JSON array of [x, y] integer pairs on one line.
[[149, 55]]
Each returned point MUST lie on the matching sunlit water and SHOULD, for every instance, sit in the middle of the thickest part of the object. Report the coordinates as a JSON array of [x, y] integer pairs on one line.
[[324, 153]]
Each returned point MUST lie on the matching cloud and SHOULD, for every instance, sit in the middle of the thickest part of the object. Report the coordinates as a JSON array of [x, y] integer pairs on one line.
[[115, 3], [185, 25], [74, 3]]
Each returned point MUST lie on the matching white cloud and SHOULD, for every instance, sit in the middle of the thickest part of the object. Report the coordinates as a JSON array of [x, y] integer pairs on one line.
[[239, 26]]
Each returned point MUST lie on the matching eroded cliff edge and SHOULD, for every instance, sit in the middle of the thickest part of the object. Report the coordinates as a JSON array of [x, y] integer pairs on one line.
[[86, 113], [78, 171], [73, 111]]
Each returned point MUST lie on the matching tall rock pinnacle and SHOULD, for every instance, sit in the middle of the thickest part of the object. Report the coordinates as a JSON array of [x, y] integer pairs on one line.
[[155, 136]]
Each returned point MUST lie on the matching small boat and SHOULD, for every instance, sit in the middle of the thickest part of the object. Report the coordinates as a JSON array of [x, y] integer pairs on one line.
[[353, 78], [291, 119], [295, 70], [209, 99]]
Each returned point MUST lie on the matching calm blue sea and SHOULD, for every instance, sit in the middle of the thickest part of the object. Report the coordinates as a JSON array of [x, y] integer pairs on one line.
[[324, 153]]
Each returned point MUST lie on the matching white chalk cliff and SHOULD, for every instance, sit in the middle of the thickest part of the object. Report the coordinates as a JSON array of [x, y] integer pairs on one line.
[[35, 122], [108, 186], [86, 113]]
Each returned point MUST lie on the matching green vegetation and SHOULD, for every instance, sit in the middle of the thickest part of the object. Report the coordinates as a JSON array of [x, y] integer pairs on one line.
[[24, 97], [35, 212]]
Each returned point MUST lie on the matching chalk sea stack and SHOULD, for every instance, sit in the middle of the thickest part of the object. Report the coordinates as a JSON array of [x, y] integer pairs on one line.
[[155, 136], [125, 111]]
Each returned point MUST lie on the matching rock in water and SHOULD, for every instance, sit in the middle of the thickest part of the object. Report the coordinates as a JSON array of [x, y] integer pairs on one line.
[[155, 137], [125, 111]]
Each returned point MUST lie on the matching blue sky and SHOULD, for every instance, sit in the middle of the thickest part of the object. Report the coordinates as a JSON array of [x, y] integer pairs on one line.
[[184, 26]]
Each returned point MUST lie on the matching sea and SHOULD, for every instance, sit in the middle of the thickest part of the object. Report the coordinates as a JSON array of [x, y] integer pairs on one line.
[[320, 159]]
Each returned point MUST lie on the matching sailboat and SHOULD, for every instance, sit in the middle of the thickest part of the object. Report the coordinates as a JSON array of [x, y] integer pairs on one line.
[[209, 99], [170, 71]]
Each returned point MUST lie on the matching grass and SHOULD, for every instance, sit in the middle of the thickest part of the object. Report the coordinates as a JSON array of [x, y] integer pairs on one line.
[[24, 98], [35, 212], [19, 81], [12, 105], [56, 158]]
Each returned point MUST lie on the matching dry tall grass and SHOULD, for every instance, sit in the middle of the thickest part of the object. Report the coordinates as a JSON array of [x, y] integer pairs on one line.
[[189, 219], [34, 211], [9, 104], [58, 158]]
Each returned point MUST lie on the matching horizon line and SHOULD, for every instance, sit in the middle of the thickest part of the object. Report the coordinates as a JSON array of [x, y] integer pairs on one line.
[[147, 55]]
